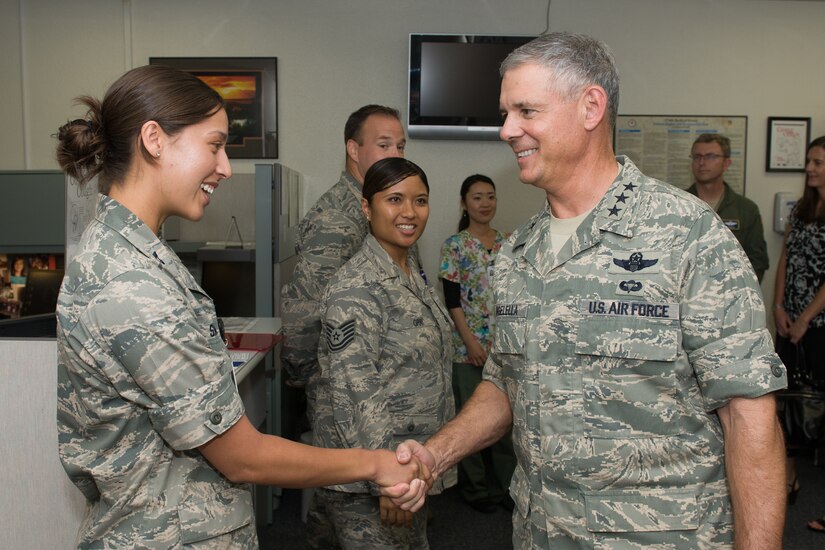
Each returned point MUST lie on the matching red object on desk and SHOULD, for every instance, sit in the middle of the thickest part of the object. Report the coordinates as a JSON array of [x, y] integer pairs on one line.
[[252, 341]]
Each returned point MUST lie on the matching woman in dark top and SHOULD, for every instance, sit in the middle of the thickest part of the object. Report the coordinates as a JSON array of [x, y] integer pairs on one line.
[[799, 299]]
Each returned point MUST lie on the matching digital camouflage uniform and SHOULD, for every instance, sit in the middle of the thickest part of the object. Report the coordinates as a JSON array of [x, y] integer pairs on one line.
[[385, 361], [741, 216], [615, 353], [143, 380], [330, 234]]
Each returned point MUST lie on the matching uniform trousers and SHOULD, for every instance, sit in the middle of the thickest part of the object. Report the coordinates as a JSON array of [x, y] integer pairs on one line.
[[352, 521]]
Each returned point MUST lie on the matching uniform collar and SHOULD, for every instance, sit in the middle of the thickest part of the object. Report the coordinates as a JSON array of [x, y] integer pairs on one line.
[[611, 213], [352, 184], [381, 259], [615, 212], [120, 219], [727, 196]]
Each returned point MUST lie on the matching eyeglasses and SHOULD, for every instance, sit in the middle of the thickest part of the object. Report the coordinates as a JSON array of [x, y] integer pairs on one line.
[[709, 157]]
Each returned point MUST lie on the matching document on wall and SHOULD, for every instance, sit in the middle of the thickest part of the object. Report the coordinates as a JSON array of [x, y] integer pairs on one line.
[[81, 203], [660, 145]]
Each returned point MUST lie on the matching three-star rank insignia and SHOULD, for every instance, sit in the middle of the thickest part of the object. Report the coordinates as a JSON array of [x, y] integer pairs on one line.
[[341, 336]]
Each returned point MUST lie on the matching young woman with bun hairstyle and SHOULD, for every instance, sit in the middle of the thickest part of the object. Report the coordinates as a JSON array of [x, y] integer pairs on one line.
[[151, 427]]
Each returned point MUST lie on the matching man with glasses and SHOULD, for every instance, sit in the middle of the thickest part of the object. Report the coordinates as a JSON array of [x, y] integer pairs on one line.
[[711, 157]]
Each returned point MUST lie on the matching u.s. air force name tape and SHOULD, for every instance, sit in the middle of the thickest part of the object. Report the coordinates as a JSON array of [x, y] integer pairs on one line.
[[622, 308]]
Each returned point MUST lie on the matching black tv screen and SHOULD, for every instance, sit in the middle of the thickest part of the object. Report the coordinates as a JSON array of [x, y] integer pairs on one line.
[[454, 84]]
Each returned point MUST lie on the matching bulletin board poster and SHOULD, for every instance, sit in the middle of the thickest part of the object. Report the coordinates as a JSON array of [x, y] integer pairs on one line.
[[660, 145], [81, 203]]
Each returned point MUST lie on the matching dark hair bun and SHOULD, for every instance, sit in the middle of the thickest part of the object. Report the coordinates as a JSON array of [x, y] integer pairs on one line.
[[82, 145]]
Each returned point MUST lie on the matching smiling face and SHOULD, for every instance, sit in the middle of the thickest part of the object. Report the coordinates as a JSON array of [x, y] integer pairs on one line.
[[480, 202], [192, 163], [543, 128], [398, 215]]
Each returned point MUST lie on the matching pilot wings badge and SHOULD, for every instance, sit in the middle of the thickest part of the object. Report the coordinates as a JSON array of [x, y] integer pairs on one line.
[[636, 261]]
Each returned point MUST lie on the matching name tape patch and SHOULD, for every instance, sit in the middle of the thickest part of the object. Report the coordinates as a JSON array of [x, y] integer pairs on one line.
[[733, 225], [623, 308], [511, 310]]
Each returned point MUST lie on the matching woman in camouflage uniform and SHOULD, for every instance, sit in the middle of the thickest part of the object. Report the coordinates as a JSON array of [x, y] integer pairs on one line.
[[151, 427], [385, 360]]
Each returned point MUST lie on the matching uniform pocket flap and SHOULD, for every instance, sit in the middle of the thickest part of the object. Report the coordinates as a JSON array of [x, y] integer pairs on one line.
[[510, 335], [628, 338], [655, 510], [202, 519], [415, 424], [520, 491]]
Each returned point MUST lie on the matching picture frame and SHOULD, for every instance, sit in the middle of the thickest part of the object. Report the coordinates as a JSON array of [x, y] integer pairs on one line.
[[249, 86], [788, 139]]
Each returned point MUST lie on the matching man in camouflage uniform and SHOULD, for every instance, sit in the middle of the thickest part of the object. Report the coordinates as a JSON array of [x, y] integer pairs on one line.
[[138, 394], [331, 233], [385, 376], [631, 358]]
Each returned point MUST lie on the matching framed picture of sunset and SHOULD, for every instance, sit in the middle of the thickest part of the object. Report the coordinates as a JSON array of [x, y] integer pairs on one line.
[[249, 86]]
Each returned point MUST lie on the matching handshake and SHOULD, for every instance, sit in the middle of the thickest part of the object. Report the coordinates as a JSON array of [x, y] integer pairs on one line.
[[404, 478]]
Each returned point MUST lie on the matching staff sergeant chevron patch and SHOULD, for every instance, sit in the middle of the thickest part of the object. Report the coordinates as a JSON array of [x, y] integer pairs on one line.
[[341, 336]]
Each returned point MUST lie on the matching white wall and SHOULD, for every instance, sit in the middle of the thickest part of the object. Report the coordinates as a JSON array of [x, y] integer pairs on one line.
[[757, 58], [39, 505]]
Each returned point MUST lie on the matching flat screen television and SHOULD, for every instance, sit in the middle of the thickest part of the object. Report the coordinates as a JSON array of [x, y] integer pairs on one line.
[[454, 85]]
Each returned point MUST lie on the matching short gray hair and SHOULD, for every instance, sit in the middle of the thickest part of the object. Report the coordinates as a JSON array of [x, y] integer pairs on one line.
[[576, 61]]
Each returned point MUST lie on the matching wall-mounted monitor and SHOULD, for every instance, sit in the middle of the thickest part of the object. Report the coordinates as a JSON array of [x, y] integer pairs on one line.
[[454, 85]]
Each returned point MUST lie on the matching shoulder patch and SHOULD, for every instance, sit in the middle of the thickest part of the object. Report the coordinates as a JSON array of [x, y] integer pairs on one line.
[[341, 336]]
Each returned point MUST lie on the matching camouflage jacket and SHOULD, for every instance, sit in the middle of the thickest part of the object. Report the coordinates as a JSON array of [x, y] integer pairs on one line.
[[143, 380], [384, 361], [330, 234], [615, 354]]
